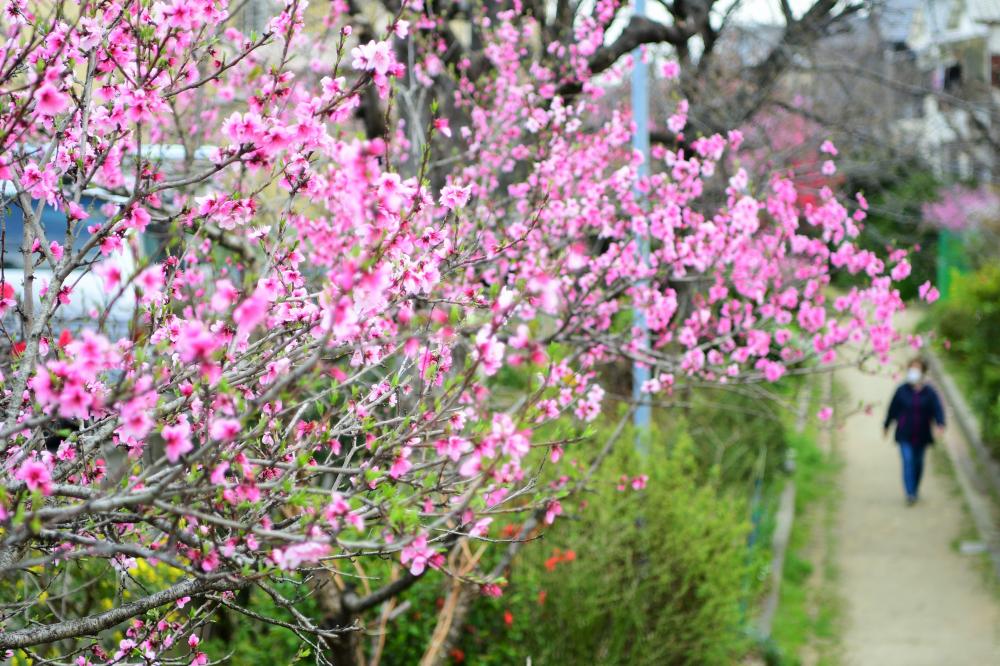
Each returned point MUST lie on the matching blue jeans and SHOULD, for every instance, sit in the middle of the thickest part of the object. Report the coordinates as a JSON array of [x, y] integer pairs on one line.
[[913, 466]]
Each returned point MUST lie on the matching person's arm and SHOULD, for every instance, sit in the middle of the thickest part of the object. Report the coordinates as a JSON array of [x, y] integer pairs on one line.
[[892, 413], [938, 413], [938, 410]]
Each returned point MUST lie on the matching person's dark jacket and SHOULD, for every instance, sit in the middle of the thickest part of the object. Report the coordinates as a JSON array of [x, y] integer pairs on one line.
[[914, 411]]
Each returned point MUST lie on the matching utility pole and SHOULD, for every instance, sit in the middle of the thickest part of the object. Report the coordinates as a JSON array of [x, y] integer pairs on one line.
[[640, 142]]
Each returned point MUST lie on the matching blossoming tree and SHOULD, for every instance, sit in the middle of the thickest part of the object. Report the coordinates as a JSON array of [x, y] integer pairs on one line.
[[310, 366]]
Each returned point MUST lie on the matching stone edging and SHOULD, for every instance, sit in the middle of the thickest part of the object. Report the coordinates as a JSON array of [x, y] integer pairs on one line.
[[785, 517], [979, 483], [779, 546], [963, 415]]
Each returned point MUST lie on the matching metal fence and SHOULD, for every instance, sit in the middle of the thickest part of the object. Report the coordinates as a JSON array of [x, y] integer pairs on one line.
[[952, 258]]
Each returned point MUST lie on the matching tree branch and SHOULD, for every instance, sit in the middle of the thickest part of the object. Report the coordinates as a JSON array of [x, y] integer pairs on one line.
[[94, 624], [356, 605], [639, 31]]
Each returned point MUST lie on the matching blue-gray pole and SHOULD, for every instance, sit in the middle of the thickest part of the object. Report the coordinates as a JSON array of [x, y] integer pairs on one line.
[[640, 142]]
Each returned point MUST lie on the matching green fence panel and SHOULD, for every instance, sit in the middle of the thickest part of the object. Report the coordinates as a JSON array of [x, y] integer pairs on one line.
[[951, 258]]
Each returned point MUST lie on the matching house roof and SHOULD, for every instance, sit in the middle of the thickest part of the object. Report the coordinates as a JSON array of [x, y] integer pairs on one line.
[[895, 18], [984, 11], [940, 22]]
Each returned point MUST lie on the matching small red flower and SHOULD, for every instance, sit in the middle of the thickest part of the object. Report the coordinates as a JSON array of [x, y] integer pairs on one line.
[[508, 618], [457, 655], [558, 556]]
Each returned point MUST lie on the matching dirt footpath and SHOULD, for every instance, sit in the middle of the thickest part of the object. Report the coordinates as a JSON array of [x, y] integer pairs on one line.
[[910, 598]]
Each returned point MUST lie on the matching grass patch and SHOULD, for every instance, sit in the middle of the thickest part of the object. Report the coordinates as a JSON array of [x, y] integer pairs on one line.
[[964, 383], [967, 528], [807, 623]]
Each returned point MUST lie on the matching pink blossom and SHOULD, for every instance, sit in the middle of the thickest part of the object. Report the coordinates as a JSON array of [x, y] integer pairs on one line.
[[177, 440], [504, 434], [480, 528], [373, 56], [489, 351], [959, 208], [35, 475], [901, 271], [136, 422], [111, 245], [75, 400], [40, 182], [441, 125], [225, 295], [491, 590], [337, 508], [224, 429], [210, 562], [472, 465], [419, 556], [152, 282], [41, 385], [218, 476], [111, 274], [251, 312], [825, 413], [677, 121], [323, 318], [553, 509], [294, 556], [454, 197], [928, 292], [50, 101], [401, 465], [195, 342], [138, 218], [7, 297], [452, 447]]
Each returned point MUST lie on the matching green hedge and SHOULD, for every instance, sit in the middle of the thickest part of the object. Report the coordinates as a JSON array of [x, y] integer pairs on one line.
[[655, 576], [968, 322], [661, 575]]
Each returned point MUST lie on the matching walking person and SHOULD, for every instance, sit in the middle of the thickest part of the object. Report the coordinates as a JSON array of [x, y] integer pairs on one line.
[[917, 411]]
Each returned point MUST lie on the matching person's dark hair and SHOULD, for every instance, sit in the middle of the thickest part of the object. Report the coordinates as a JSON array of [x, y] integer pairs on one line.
[[918, 360]]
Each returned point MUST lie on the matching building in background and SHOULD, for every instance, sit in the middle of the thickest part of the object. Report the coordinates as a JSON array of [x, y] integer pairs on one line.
[[956, 44]]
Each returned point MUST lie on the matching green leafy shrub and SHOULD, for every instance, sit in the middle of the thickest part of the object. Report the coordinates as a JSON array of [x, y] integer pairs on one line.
[[660, 575], [969, 320], [738, 435], [652, 576]]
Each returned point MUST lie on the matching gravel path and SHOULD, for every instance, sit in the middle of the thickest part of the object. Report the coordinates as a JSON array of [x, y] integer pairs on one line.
[[910, 598]]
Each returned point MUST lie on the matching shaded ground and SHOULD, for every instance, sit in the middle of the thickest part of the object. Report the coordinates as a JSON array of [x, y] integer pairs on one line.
[[910, 598]]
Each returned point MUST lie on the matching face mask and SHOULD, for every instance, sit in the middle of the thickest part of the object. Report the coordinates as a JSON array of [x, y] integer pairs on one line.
[[914, 375]]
